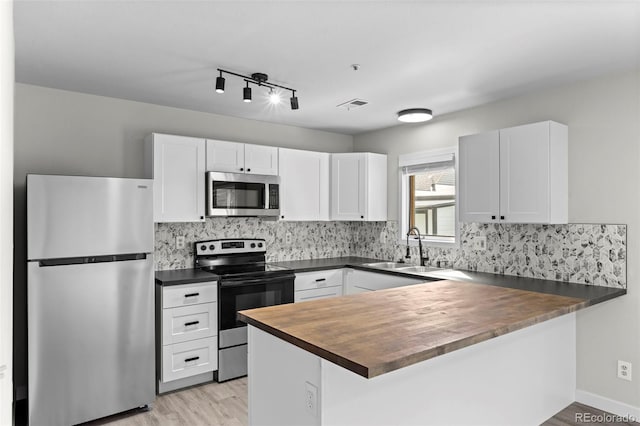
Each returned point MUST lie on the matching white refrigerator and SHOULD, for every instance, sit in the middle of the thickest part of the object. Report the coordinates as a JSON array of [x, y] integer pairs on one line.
[[90, 297]]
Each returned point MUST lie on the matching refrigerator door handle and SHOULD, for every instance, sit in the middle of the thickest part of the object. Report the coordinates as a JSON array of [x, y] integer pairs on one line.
[[92, 259]]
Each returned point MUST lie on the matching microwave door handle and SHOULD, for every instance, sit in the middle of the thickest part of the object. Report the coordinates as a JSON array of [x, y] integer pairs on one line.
[[237, 282]]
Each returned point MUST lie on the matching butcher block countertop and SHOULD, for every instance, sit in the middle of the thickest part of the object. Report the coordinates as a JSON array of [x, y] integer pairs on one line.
[[378, 332]]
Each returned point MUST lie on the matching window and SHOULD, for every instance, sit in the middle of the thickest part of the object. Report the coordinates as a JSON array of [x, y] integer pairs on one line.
[[428, 195]]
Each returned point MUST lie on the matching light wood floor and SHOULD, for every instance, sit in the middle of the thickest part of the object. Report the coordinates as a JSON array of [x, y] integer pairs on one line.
[[225, 404]]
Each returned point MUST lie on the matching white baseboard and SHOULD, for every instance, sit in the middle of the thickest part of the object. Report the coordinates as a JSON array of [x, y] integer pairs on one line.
[[610, 405]]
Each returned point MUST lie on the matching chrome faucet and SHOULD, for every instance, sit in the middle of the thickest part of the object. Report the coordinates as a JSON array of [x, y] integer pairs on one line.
[[408, 256]]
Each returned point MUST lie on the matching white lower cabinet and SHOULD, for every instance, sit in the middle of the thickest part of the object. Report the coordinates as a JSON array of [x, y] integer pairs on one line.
[[357, 281], [345, 281], [318, 293], [318, 285], [186, 359], [187, 321]]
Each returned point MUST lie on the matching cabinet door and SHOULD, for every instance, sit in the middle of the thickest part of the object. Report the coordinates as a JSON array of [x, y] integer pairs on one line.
[[189, 323], [479, 175], [376, 195], [348, 174], [223, 156], [318, 279], [178, 178], [261, 160], [357, 281], [186, 359], [318, 293], [304, 185], [524, 173]]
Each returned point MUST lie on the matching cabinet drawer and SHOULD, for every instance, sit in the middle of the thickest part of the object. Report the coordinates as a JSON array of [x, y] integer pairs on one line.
[[319, 279], [317, 293], [189, 323], [189, 294], [189, 358]]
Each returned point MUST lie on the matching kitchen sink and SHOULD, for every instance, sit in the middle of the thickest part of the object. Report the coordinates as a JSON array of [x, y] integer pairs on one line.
[[385, 265], [419, 269]]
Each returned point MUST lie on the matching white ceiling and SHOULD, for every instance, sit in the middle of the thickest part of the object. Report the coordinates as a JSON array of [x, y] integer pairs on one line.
[[444, 55]]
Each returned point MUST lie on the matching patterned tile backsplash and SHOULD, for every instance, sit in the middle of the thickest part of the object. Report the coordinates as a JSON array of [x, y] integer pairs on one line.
[[580, 253]]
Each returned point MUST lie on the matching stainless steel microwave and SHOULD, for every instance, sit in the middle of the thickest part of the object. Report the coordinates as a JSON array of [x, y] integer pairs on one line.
[[238, 194]]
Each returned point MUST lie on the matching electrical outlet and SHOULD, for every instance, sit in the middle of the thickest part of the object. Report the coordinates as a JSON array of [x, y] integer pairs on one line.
[[288, 237], [480, 243], [624, 370], [383, 238], [180, 242], [311, 399]]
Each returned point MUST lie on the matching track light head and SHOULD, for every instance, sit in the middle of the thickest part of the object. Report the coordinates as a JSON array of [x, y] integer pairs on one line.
[[294, 101], [274, 97], [246, 93], [220, 84]]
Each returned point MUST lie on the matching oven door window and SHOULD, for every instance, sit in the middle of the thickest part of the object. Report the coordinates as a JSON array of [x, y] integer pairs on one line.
[[238, 195], [234, 298]]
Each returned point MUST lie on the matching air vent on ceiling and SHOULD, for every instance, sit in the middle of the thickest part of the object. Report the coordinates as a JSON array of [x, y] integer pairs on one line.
[[353, 104]]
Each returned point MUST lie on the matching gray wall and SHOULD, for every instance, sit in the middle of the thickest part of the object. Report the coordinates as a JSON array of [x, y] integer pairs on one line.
[[62, 132], [603, 116]]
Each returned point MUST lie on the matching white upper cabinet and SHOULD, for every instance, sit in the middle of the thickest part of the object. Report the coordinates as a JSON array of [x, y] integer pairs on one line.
[[304, 185], [261, 159], [515, 175], [223, 156], [359, 186], [177, 166], [479, 176]]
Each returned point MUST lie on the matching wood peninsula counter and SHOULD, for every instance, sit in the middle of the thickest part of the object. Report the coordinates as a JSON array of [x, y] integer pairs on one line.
[[442, 352]]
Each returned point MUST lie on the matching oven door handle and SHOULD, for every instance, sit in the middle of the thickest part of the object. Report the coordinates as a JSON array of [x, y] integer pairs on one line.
[[239, 282]]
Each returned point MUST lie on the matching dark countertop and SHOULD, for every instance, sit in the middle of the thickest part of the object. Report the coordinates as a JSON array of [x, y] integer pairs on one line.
[[310, 265], [183, 276], [594, 294]]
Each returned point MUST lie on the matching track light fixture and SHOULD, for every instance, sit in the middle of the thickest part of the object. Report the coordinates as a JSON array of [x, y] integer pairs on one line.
[[259, 79]]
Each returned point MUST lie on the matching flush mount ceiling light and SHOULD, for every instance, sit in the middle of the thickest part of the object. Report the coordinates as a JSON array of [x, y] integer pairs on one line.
[[415, 115], [259, 79]]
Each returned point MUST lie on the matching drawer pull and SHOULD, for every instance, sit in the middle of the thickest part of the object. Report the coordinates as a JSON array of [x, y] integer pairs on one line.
[[320, 279], [190, 323], [195, 358], [192, 295]]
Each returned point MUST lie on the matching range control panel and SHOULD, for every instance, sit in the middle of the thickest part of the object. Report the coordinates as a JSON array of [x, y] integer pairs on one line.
[[230, 246]]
